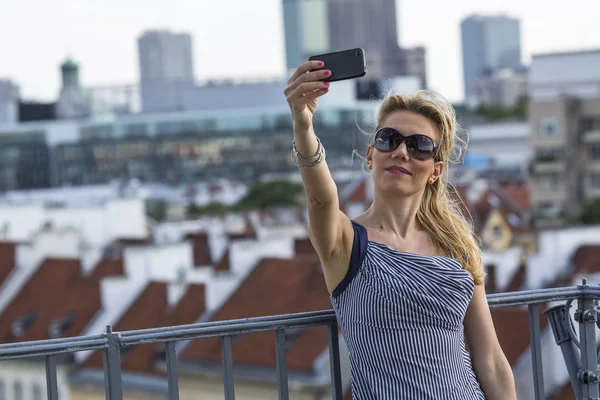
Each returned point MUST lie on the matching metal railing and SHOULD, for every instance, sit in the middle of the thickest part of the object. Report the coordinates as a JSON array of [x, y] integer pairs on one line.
[[582, 365]]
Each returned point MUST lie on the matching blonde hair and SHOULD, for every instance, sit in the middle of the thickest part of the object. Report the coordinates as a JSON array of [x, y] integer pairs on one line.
[[441, 212]]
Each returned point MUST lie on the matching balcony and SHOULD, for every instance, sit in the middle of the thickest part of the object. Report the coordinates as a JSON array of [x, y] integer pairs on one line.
[[590, 136], [578, 350]]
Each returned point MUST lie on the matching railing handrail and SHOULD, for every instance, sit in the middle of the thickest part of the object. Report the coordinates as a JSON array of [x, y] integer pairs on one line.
[[582, 371], [258, 324]]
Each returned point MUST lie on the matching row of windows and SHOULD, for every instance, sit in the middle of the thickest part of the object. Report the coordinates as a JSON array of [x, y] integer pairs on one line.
[[256, 123], [551, 183], [18, 391], [549, 126]]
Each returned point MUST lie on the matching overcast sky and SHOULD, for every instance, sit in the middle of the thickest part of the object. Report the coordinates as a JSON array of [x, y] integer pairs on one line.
[[245, 37]]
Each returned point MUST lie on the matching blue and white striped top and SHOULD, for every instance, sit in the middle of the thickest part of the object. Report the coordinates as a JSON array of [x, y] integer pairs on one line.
[[402, 316]]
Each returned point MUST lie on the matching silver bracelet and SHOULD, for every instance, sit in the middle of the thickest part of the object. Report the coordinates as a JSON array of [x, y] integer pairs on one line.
[[308, 162]]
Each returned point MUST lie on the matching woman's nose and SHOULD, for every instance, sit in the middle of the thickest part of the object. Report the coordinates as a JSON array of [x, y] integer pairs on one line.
[[401, 151]]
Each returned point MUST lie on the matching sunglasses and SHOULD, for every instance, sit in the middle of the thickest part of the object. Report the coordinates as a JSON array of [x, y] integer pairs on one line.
[[420, 147]]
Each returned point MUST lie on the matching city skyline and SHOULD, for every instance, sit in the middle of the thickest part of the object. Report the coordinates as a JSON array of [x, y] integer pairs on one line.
[[241, 39]]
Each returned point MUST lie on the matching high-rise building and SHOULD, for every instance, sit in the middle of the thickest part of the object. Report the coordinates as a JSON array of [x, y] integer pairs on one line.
[[489, 42], [372, 26], [360, 23], [564, 124], [306, 30], [166, 69]]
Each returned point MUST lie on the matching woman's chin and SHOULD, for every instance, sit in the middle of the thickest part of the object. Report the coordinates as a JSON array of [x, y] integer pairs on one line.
[[397, 189]]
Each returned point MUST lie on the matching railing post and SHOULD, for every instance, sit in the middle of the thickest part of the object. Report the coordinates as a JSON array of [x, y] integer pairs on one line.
[[227, 367], [112, 366], [51, 382], [282, 373], [334, 363], [536, 351], [173, 379], [587, 316]]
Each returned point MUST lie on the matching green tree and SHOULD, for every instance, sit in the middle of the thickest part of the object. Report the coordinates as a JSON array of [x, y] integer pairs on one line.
[[591, 212], [212, 208], [264, 195], [499, 112]]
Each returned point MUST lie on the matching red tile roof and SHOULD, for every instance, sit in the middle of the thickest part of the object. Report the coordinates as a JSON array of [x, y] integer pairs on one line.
[[223, 264], [200, 247], [518, 193], [7, 259], [275, 286], [586, 259], [54, 292], [305, 247], [151, 310], [359, 193], [518, 280], [512, 327]]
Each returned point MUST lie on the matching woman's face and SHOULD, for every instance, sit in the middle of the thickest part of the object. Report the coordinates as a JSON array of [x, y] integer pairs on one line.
[[398, 172]]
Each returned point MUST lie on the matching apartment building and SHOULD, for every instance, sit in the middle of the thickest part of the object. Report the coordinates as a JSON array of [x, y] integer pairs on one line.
[[564, 122]]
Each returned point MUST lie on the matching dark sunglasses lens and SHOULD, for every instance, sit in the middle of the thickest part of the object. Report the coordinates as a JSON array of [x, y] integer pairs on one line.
[[386, 140], [420, 146]]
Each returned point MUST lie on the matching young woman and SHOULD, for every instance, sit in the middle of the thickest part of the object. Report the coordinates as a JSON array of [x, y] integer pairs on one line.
[[405, 277]]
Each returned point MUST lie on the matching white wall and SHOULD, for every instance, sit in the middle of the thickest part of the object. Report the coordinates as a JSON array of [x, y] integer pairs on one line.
[[30, 374], [555, 248], [506, 263], [99, 225], [158, 263]]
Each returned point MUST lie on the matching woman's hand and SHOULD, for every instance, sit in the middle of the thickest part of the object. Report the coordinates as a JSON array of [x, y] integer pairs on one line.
[[302, 91]]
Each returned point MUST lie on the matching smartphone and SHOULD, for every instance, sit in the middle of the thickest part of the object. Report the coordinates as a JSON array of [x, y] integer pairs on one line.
[[345, 64]]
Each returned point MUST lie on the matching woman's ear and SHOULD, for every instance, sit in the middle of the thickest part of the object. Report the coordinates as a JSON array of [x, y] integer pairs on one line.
[[438, 168], [369, 156]]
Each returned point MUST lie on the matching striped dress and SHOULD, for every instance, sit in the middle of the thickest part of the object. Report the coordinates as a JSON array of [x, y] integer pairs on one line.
[[402, 316]]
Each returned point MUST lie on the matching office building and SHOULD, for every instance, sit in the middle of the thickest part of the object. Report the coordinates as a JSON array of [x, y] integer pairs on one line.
[[166, 68], [502, 87], [172, 148], [489, 42], [564, 123]]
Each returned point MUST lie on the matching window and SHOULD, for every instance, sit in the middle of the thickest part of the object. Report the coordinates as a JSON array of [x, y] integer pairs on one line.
[[594, 180], [497, 232], [18, 391], [37, 392], [586, 124], [594, 153], [548, 127], [549, 183]]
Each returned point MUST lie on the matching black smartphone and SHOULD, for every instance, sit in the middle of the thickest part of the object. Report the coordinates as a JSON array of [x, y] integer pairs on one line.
[[345, 64]]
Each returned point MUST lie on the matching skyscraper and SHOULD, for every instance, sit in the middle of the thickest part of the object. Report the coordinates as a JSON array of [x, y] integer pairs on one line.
[[370, 25], [488, 43], [166, 68], [319, 26], [306, 30]]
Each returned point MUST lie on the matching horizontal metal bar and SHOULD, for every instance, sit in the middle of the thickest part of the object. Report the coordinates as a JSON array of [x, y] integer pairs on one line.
[[282, 319], [525, 297], [177, 333], [43, 349], [69, 340]]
